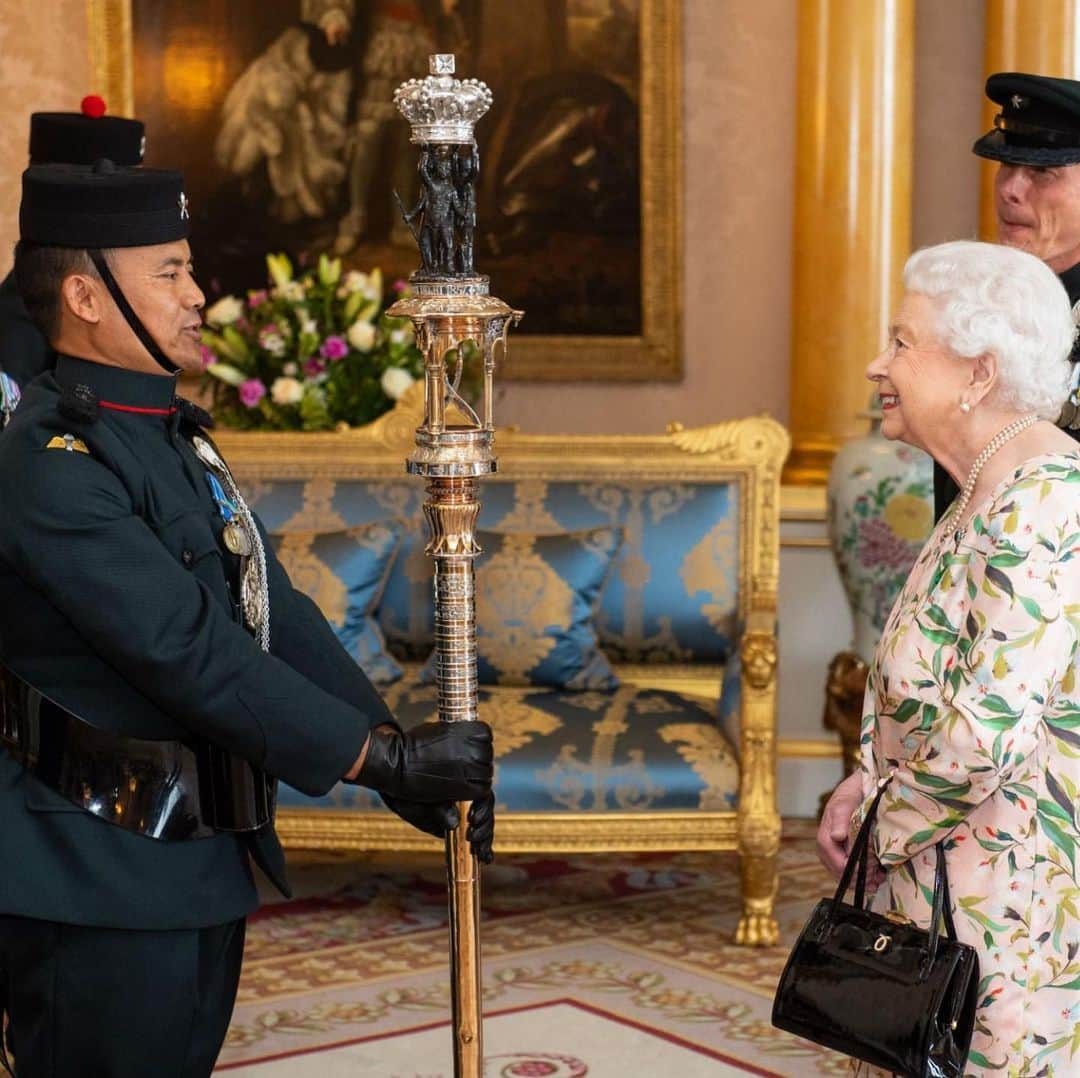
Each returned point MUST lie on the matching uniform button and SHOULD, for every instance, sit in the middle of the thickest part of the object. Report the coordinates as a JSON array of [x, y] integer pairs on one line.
[[187, 558]]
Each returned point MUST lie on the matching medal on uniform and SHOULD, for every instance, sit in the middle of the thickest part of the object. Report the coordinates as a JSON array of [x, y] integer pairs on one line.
[[9, 397], [234, 535], [240, 537], [236, 540], [1069, 419]]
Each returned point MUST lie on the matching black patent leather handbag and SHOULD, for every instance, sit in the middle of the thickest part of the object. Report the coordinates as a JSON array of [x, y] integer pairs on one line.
[[877, 987]]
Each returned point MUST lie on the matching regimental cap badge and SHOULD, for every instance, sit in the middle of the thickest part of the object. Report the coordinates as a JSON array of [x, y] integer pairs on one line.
[[1017, 101], [182, 202], [441, 109]]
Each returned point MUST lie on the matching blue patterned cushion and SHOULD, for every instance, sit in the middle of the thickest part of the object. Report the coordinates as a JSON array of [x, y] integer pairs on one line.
[[673, 594], [535, 599], [629, 750], [345, 573]]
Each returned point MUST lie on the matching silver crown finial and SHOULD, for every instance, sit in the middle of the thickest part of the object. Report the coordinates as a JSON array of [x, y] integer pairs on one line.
[[441, 109]]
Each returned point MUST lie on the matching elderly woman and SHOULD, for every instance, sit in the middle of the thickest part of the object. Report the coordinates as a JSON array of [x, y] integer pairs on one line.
[[972, 707]]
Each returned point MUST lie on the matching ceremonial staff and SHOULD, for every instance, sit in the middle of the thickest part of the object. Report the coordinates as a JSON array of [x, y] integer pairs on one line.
[[456, 321]]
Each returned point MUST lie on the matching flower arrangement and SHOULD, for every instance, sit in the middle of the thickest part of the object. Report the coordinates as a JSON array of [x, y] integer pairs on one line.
[[315, 351]]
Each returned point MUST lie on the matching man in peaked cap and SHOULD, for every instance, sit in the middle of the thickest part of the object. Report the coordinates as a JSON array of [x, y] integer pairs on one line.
[[158, 672], [72, 138], [1036, 139]]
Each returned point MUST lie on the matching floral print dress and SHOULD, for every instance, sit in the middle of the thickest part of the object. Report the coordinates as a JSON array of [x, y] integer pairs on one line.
[[973, 708]]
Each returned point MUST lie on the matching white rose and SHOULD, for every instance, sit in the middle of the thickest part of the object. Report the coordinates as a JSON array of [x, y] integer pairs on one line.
[[361, 336], [274, 343], [226, 311], [291, 369], [355, 281], [402, 335], [309, 326], [293, 291], [286, 391], [395, 381]]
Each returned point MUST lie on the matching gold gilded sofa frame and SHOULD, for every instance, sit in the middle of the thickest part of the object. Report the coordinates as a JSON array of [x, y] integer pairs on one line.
[[748, 453]]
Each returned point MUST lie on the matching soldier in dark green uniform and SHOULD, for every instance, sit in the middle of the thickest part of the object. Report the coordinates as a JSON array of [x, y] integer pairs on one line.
[[158, 672], [1036, 137], [68, 138]]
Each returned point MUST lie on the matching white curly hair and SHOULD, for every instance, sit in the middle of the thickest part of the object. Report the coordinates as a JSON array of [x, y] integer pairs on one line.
[[1001, 300]]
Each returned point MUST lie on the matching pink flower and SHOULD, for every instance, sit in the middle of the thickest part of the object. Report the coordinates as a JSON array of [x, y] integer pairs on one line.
[[257, 296], [400, 285], [251, 392], [313, 367], [208, 356], [334, 348]]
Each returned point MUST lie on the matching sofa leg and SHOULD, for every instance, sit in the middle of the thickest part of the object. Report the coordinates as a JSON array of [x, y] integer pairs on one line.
[[757, 925]]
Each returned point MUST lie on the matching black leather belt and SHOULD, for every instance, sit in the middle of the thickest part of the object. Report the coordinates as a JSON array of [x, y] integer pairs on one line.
[[169, 790]]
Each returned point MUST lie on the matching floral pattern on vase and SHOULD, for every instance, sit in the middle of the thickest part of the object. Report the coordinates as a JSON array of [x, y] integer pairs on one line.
[[881, 512]]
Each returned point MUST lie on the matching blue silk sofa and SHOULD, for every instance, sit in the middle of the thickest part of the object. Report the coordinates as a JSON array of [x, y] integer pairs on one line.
[[630, 578]]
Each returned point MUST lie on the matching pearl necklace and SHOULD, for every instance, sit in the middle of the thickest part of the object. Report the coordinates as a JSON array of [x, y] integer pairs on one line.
[[1017, 426]]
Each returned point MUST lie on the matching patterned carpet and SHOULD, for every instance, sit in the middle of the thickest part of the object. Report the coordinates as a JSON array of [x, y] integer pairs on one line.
[[595, 966]]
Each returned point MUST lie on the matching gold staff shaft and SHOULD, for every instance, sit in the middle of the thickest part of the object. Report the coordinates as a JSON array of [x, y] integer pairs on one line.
[[451, 510]]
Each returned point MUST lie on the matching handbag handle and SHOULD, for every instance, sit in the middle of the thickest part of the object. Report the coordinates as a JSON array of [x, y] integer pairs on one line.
[[857, 865]]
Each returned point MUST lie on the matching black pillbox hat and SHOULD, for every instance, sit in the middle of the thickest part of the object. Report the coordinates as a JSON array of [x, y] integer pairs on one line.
[[102, 206], [81, 138], [1039, 121]]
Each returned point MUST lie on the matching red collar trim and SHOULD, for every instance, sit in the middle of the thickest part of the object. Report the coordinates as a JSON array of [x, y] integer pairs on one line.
[[112, 407]]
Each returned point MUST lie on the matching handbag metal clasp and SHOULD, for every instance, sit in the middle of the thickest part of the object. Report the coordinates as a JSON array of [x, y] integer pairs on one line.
[[897, 918], [881, 944]]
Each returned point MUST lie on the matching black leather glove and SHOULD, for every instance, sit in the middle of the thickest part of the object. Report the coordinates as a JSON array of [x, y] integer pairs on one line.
[[436, 761], [437, 819], [481, 832], [433, 819]]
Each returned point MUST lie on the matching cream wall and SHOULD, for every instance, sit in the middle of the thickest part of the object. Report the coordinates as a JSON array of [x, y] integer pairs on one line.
[[739, 169]]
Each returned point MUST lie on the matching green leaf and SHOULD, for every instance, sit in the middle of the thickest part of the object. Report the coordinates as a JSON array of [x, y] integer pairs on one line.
[[1052, 808], [238, 347], [1062, 799], [939, 617], [936, 782], [1031, 607], [1000, 580], [906, 709], [1006, 561], [226, 373], [993, 702], [1063, 841]]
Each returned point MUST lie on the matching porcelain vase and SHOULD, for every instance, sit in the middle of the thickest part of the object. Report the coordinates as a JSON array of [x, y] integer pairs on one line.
[[880, 513]]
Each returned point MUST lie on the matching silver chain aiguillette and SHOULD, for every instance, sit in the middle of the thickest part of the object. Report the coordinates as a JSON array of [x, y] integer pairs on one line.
[[254, 586]]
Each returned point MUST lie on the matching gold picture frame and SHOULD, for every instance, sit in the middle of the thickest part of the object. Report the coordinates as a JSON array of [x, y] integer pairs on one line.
[[655, 354]]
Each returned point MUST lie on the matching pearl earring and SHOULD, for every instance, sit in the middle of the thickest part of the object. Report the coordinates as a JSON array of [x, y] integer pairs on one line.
[[965, 407]]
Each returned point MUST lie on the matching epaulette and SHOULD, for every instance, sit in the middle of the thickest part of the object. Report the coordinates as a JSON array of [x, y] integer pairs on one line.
[[79, 403], [192, 413]]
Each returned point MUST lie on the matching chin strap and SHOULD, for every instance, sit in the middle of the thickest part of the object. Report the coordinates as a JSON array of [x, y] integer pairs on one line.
[[130, 316]]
